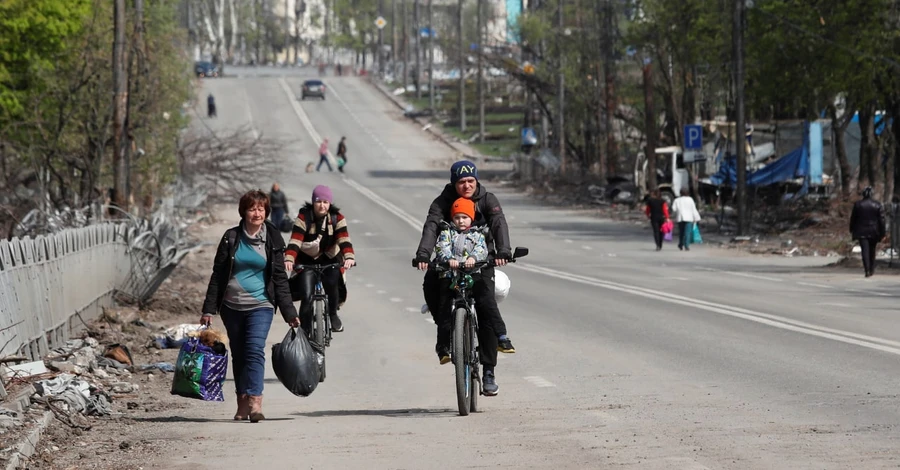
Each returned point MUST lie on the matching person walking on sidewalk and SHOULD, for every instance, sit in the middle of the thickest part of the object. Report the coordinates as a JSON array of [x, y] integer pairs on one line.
[[686, 215], [658, 212], [323, 156], [867, 226]]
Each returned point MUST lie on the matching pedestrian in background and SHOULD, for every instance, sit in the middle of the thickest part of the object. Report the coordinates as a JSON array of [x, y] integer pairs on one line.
[[867, 226], [686, 215], [248, 284], [323, 156], [279, 205], [342, 154], [658, 212]]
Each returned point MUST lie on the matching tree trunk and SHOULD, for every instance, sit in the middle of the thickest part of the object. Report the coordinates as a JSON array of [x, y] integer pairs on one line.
[[120, 107], [839, 126], [868, 166], [650, 127]]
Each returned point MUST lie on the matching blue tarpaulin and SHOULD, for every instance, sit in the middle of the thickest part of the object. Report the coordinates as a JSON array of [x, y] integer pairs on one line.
[[791, 166]]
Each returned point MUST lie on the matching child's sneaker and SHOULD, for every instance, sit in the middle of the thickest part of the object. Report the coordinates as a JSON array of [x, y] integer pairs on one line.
[[504, 345]]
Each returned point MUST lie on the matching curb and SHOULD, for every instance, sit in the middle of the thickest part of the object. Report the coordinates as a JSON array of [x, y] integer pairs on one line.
[[28, 445], [440, 135]]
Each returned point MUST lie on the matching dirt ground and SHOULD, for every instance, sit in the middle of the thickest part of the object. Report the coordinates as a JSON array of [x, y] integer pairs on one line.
[[136, 431]]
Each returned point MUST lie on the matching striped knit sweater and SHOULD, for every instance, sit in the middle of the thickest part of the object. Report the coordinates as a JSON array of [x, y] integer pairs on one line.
[[335, 237]]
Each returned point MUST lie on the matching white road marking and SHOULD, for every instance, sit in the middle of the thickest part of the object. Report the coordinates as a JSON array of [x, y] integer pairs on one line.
[[871, 342], [539, 381], [567, 240], [585, 247], [413, 309], [381, 292], [810, 284], [834, 304], [752, 276], [368, 234], [429, 320], [396, 299], [370, 285], [250, 115], [363, 126], [679, 278]]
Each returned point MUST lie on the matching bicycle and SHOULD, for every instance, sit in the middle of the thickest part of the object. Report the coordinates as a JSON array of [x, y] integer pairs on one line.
[[464, 336], [320, 330]]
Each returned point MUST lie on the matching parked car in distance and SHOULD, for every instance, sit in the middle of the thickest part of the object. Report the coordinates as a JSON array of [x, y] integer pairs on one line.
[[313, 88], [206, 69]]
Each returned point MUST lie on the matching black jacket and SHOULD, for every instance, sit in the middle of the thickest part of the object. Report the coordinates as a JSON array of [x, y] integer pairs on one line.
[[867, 220], [278, 200], [277, 289], [487, 212]]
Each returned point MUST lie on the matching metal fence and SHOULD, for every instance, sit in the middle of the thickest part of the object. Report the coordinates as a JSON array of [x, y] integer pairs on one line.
[[50, 285]]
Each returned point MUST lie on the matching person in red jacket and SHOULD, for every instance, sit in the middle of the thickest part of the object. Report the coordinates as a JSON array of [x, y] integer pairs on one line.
[[658, 212]]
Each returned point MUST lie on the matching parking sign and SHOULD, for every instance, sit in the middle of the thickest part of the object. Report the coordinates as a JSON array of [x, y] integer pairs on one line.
[[693, 137]]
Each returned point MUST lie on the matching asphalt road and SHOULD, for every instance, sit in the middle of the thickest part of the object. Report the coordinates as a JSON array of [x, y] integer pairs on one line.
[[626, 357]]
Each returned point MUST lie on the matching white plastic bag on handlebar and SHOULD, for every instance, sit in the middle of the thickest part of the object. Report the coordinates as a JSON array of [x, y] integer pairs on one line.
[[501, 285]]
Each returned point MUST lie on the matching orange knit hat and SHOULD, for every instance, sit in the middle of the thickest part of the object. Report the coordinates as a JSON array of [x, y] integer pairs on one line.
[[464, 206]]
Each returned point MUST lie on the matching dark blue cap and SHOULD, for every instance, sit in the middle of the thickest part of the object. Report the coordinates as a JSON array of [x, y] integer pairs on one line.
[[463, 169]]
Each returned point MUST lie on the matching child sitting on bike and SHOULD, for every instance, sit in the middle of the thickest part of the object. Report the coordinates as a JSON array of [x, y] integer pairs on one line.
[[457, 244]]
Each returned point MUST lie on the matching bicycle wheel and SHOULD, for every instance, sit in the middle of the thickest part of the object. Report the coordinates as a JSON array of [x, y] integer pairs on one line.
[[475, 388], [319, 333], [462, 344]]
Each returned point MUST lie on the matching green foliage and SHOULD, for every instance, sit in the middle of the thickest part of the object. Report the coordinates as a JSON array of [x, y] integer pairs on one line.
[[34, 34], [67, 128]]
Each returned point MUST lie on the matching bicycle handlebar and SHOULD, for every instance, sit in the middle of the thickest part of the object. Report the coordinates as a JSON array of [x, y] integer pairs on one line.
[[445, 266]]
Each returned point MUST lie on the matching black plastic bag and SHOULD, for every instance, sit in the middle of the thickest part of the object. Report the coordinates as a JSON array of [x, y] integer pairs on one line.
[[286, 224], [295, 363]]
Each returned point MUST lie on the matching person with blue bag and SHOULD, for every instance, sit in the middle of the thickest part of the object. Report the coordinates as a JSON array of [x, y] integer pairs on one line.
[[247, 286], [687, 216]]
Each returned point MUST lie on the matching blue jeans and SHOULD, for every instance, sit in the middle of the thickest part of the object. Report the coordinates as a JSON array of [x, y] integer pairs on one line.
[[247, 332], [324, 159]]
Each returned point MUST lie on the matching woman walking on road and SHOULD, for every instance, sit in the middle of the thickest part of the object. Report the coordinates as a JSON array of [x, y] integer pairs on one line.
[[686, 215], [658, 212], [247, 285]]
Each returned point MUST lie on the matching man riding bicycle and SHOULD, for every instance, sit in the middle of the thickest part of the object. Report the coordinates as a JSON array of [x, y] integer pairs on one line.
[[491, 328], [319, 236]]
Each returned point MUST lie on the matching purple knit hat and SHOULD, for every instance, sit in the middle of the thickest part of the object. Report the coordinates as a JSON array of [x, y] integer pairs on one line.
[[322, 193]]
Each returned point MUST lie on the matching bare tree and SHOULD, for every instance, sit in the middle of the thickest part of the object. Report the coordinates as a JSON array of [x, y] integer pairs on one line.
[[228, 165]]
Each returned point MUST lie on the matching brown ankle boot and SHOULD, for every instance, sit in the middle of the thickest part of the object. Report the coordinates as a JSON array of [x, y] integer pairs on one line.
[[243, 410], [256, 414]]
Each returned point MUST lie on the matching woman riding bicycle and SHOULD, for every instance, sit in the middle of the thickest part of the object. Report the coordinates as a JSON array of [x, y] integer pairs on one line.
[[319, 236]]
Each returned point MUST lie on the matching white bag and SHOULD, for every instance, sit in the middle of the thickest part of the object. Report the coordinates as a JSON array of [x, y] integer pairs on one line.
[[501, 285]]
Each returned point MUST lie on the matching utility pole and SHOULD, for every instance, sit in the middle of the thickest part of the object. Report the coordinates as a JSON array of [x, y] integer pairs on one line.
[[120, 107], [393, 35], [650, 125], [405, 47], [480, 71], [738, 40], [609, 62], [418, 31], [138, 58], [431, 56], [461, 99], [561, 93], [380, 55]]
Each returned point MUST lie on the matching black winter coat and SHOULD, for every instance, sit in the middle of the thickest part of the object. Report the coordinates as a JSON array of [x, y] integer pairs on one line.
[[277, 289], [867, 220], [278, 200], [487, 212]]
